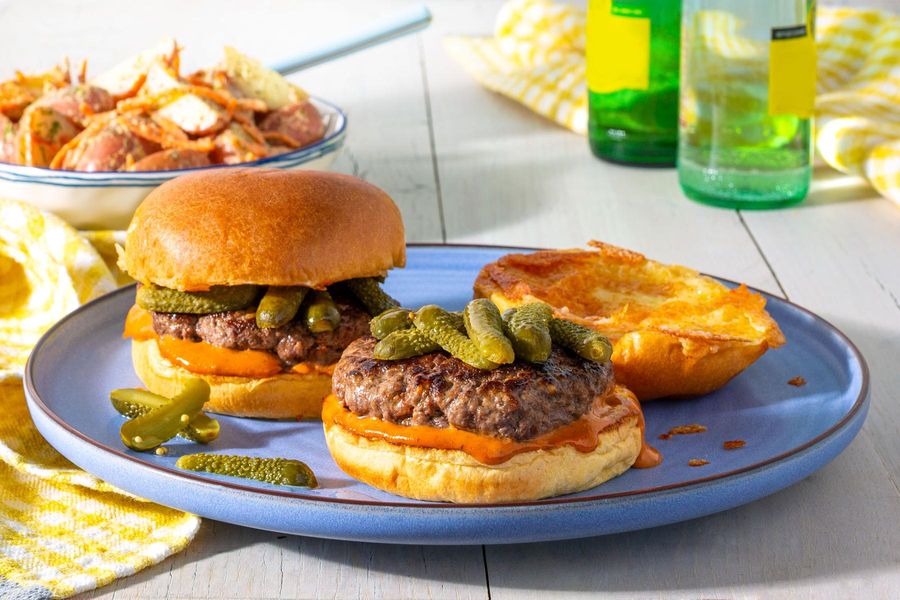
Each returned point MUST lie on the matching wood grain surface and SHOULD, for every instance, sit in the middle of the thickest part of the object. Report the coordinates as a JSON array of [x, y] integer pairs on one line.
[[466, 165]]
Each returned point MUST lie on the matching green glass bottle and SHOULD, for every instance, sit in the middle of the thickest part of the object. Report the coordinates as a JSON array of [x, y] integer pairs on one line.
[[632, 73], [747, 94]]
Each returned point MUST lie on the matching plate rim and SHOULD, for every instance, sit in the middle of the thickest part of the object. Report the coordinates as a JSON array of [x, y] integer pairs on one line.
[[858, 404]]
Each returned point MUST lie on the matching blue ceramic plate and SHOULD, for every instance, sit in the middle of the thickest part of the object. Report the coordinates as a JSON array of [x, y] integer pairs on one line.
[[790, 432]]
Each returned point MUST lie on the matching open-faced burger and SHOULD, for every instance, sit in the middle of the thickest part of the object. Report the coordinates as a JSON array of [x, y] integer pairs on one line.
[[473, 407]]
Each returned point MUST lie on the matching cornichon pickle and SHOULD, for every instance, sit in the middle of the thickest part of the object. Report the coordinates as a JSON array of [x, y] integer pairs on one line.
[[373, 298], [217, 299], [320, 313], [389, 321], [162, 424], [584, 342], [279, 305], [132, 403], [459, 323], [529, 330], [278, 471], [440, 326], [485, 328], [404, 343]]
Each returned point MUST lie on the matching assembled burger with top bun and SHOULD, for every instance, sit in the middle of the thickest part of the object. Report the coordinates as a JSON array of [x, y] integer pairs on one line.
[[256, 280]]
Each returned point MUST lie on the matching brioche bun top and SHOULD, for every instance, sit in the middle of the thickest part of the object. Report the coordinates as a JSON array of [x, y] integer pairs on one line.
[[265, 227]]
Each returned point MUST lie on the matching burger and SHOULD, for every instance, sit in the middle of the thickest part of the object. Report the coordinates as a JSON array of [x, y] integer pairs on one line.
[[256, 280], [434, 427]]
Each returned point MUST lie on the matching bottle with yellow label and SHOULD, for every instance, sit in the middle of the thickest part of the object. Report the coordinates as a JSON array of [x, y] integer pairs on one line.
[[632, 73], [748, 82]]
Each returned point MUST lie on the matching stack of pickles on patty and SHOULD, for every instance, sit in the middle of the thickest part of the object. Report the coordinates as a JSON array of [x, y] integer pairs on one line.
[[481, 337]]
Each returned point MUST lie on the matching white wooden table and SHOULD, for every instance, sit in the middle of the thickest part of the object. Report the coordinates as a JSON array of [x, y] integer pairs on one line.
[[468, 166]]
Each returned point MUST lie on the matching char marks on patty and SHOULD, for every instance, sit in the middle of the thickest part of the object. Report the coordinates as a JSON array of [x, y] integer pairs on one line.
[[519, 401], [292, 343]]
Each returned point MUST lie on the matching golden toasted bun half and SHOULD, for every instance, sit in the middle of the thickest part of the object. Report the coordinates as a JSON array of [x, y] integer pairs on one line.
[[675, 332], [263, 226], [285, 396], [455, 476]]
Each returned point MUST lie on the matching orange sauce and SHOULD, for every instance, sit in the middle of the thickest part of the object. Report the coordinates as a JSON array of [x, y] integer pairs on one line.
[[648, 457], [305, 368], [139, 324], [581, 434], [206, 359]]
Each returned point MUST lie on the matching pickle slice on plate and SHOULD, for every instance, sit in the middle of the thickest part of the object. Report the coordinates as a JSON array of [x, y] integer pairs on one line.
[[158, 426], [278, 471], [133, 403]]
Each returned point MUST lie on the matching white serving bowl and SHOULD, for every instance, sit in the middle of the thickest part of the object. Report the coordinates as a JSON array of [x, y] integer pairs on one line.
[[106, 200]]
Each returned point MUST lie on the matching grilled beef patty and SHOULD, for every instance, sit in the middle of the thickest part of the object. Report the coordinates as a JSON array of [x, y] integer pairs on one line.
[[292, 343], [519, 401]]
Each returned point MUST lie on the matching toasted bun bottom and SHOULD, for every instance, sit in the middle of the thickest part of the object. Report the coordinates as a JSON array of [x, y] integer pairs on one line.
[[653, 364], [454, 476], [285, 396]]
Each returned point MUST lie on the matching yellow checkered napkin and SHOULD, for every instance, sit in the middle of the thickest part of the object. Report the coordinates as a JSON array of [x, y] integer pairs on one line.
[[62, 531], [858, 102], [536, 57]]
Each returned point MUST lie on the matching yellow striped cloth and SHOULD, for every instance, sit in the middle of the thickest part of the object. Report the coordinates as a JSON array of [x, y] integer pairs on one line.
[[62, 531], [536, 57]]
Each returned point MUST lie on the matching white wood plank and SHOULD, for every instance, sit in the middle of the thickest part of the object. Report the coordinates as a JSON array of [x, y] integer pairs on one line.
[[511, 177], [833, 535], [226, 561]]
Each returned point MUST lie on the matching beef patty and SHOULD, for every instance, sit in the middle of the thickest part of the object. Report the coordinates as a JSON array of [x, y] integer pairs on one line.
[[292, 343], [519, 401]]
